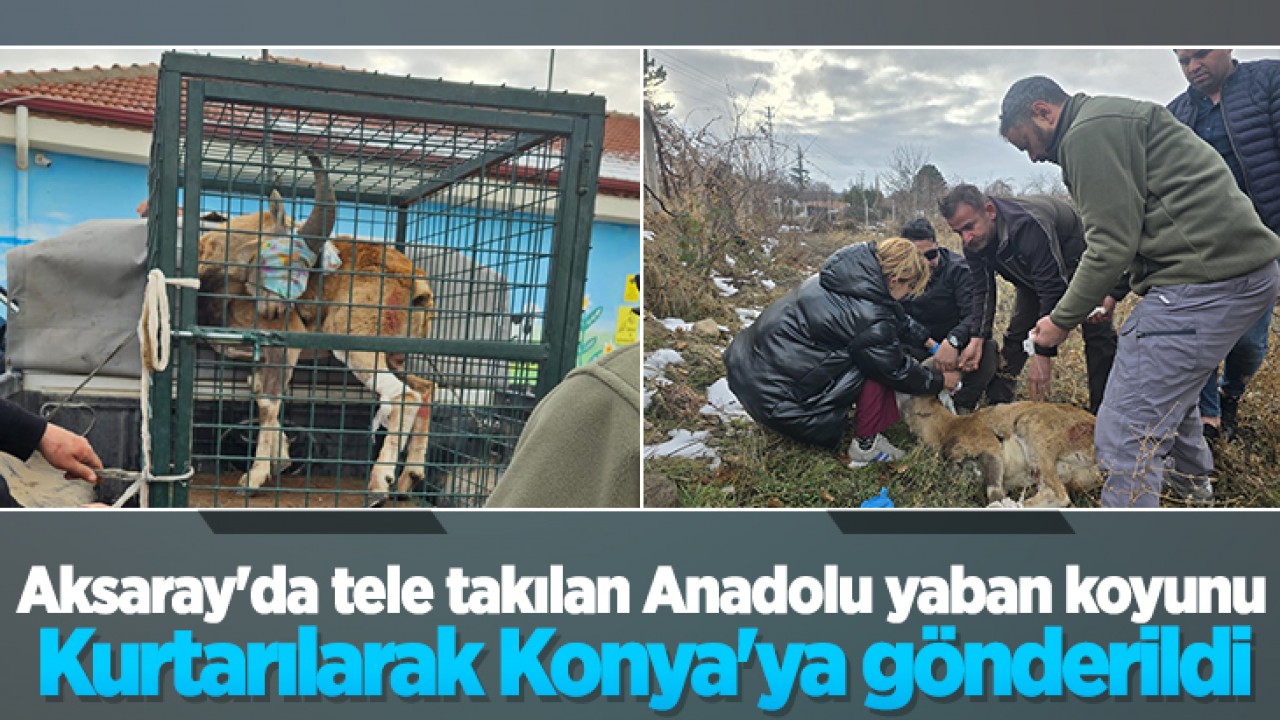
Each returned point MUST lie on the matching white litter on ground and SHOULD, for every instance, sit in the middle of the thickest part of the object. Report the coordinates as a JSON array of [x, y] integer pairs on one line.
[[724, 286], [722, 403], [676, 324], [1008, 502], [685, 444]]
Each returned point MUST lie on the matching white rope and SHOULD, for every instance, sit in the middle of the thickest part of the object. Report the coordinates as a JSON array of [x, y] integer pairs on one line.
[[155, 340]]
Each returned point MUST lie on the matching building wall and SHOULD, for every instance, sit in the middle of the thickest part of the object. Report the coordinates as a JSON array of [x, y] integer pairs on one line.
[[611, 302], [43, 202]]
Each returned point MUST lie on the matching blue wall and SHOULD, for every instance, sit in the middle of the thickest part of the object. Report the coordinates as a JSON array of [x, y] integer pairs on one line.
[[75, 189], [607, 315], [68, 192]]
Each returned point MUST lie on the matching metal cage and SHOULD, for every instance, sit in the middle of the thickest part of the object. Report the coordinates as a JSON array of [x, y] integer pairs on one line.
[[487, 192]]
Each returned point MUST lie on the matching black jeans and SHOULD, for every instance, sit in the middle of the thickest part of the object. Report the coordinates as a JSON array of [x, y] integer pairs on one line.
[[972, 384], [1099, 351]]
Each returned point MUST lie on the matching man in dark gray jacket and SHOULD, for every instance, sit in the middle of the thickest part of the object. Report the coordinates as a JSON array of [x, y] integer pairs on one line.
[[1235, 107], [1035, 243]]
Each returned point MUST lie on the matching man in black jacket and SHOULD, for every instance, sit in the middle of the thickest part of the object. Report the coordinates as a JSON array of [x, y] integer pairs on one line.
[[1035, 243], [22, 433], [1235, 107], [944, 309]]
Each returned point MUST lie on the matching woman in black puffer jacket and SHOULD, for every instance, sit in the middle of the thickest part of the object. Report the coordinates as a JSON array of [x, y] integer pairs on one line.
[[835, 341]]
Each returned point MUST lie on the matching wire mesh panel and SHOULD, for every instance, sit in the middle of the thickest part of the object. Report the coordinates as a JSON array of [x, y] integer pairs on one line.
[[390, 272]]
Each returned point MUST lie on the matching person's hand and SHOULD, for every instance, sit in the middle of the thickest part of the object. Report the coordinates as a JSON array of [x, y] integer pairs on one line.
[[972, 355], [950, 379], [70, 453], [1047, 334], [1108, 309], [1039, 377], [945, 359]]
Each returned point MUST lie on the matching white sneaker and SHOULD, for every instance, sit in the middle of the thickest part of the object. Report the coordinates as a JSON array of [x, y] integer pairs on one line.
[[880, 451]]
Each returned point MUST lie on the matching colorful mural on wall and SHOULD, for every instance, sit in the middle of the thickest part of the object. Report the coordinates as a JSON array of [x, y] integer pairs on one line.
[[611, 303]]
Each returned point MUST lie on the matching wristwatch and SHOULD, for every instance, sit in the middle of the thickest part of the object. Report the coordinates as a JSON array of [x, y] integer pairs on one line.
[[958, 338]]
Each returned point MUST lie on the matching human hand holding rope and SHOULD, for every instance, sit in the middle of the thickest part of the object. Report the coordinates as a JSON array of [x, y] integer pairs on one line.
[[70, 453]]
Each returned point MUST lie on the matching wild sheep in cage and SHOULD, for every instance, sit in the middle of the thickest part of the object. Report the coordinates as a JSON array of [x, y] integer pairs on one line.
[[374, 290]]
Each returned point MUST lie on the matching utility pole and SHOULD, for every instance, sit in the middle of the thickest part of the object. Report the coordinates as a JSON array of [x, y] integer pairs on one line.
[[773, 152], [866, 204]]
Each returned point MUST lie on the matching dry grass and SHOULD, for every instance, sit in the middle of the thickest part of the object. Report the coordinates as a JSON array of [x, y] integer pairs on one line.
[[762, 469]]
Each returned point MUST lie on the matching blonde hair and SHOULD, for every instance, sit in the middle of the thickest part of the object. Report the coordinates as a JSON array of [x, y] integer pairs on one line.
[[898, 257]]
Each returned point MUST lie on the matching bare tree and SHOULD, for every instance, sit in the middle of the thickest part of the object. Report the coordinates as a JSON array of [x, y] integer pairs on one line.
[[912, 182], [1000, 187], [1046, 183], [904, 165]]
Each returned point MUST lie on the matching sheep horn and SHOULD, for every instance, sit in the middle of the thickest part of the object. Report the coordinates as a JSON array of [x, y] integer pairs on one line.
[[320, 223]]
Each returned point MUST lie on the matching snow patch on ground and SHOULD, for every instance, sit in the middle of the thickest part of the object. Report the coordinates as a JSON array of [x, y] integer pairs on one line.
[[722, 403], [676, 324], [686, 444], [765, 283], [725, 287], [747, 316], [656, 362]]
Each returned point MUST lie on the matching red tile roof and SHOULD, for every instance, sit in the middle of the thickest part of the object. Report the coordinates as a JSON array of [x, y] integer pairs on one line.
[[126, 95], [622, 135], [122, 95]]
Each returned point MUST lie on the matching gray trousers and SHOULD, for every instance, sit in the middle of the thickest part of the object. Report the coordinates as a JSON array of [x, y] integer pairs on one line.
[[1150, 415]]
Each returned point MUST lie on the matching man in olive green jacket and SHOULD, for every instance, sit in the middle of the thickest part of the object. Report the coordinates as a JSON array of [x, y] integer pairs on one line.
[[1159, 202], [581, 446]]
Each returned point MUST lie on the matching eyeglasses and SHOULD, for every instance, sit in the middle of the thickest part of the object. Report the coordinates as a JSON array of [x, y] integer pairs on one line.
[[931, 254]]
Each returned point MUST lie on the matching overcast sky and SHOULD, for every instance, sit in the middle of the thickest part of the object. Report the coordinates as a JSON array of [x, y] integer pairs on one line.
[[612, 72], [849, 109]]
